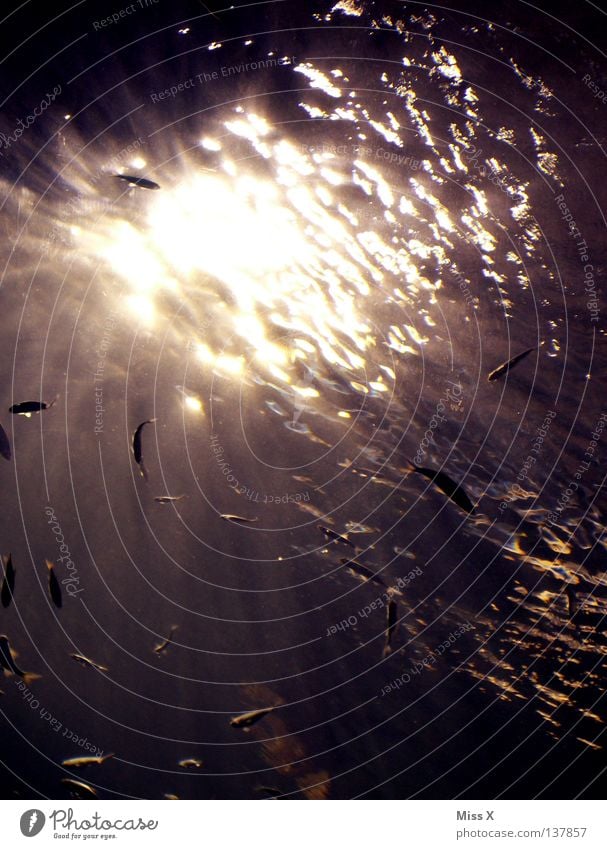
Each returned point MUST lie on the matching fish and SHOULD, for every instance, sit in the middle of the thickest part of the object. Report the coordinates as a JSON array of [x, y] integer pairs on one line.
[[358, 528], [572, 603], [8, 583], [245, 720], [26, 408], [53, 585], [170, 796], [140, 182], [7, 662], [500, 370], [5, 446], [335, 537], [79, 787], [230, 517], [390, 625], [191, 763], [375, 477], [78, 762], [269, 791], [85, 661], [162, 646], [363, 571], [137, 447], [167, 499], [448, 486]]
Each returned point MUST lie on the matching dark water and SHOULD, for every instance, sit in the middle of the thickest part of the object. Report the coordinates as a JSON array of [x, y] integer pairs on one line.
[[347, 240]]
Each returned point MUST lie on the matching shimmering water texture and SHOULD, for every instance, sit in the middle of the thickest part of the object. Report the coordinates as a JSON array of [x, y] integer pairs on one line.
[[304, 467]]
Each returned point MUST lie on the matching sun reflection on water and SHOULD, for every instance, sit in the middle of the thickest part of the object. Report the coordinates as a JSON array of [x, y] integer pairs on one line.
[[284, 273]]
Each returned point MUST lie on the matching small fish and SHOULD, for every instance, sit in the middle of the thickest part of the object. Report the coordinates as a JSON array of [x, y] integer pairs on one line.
[[191, 763], [137, 447], [78, 762], [8, 584], [335, 537], [572, 603], [53, 585], [358, 528], [245, 720], [500, 370], [7, 662], [390, 626], [79, 788], [375, 477], [162, 646], [239, 520], [141, 182], [363, 571], [85, 661], [167, 499], [170, 796], [449, 487], [5, 446], [269, 791], [26, 408]]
